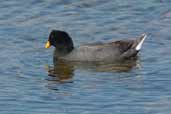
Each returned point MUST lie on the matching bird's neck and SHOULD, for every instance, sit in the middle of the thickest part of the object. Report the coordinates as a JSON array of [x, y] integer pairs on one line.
[[61, 52]]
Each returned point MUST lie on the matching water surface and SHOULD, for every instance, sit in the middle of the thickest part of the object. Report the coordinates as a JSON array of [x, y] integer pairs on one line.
[[26, 88]]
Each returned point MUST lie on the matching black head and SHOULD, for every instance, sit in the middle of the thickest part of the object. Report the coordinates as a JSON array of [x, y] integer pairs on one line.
[[60, 40]]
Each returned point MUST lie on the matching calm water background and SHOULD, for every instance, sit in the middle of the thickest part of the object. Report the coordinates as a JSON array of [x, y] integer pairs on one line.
[[26, 88]]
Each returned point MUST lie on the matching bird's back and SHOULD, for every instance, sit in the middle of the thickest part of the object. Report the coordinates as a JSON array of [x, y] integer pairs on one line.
[[100, 52]]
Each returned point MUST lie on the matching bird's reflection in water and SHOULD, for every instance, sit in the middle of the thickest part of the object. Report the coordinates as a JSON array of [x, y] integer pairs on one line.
[[121, 66], [63, 71]]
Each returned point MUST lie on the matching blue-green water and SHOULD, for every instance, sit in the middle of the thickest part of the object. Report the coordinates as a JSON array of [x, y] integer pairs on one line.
[[26, 88]]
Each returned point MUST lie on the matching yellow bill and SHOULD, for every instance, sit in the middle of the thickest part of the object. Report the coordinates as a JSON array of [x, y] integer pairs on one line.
[[47, 44]]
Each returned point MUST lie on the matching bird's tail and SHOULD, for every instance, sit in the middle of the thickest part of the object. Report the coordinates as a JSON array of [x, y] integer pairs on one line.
[[140, 41], [135, 48]]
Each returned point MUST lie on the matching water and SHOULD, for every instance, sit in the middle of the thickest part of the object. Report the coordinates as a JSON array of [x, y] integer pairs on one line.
[[26, 88]]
